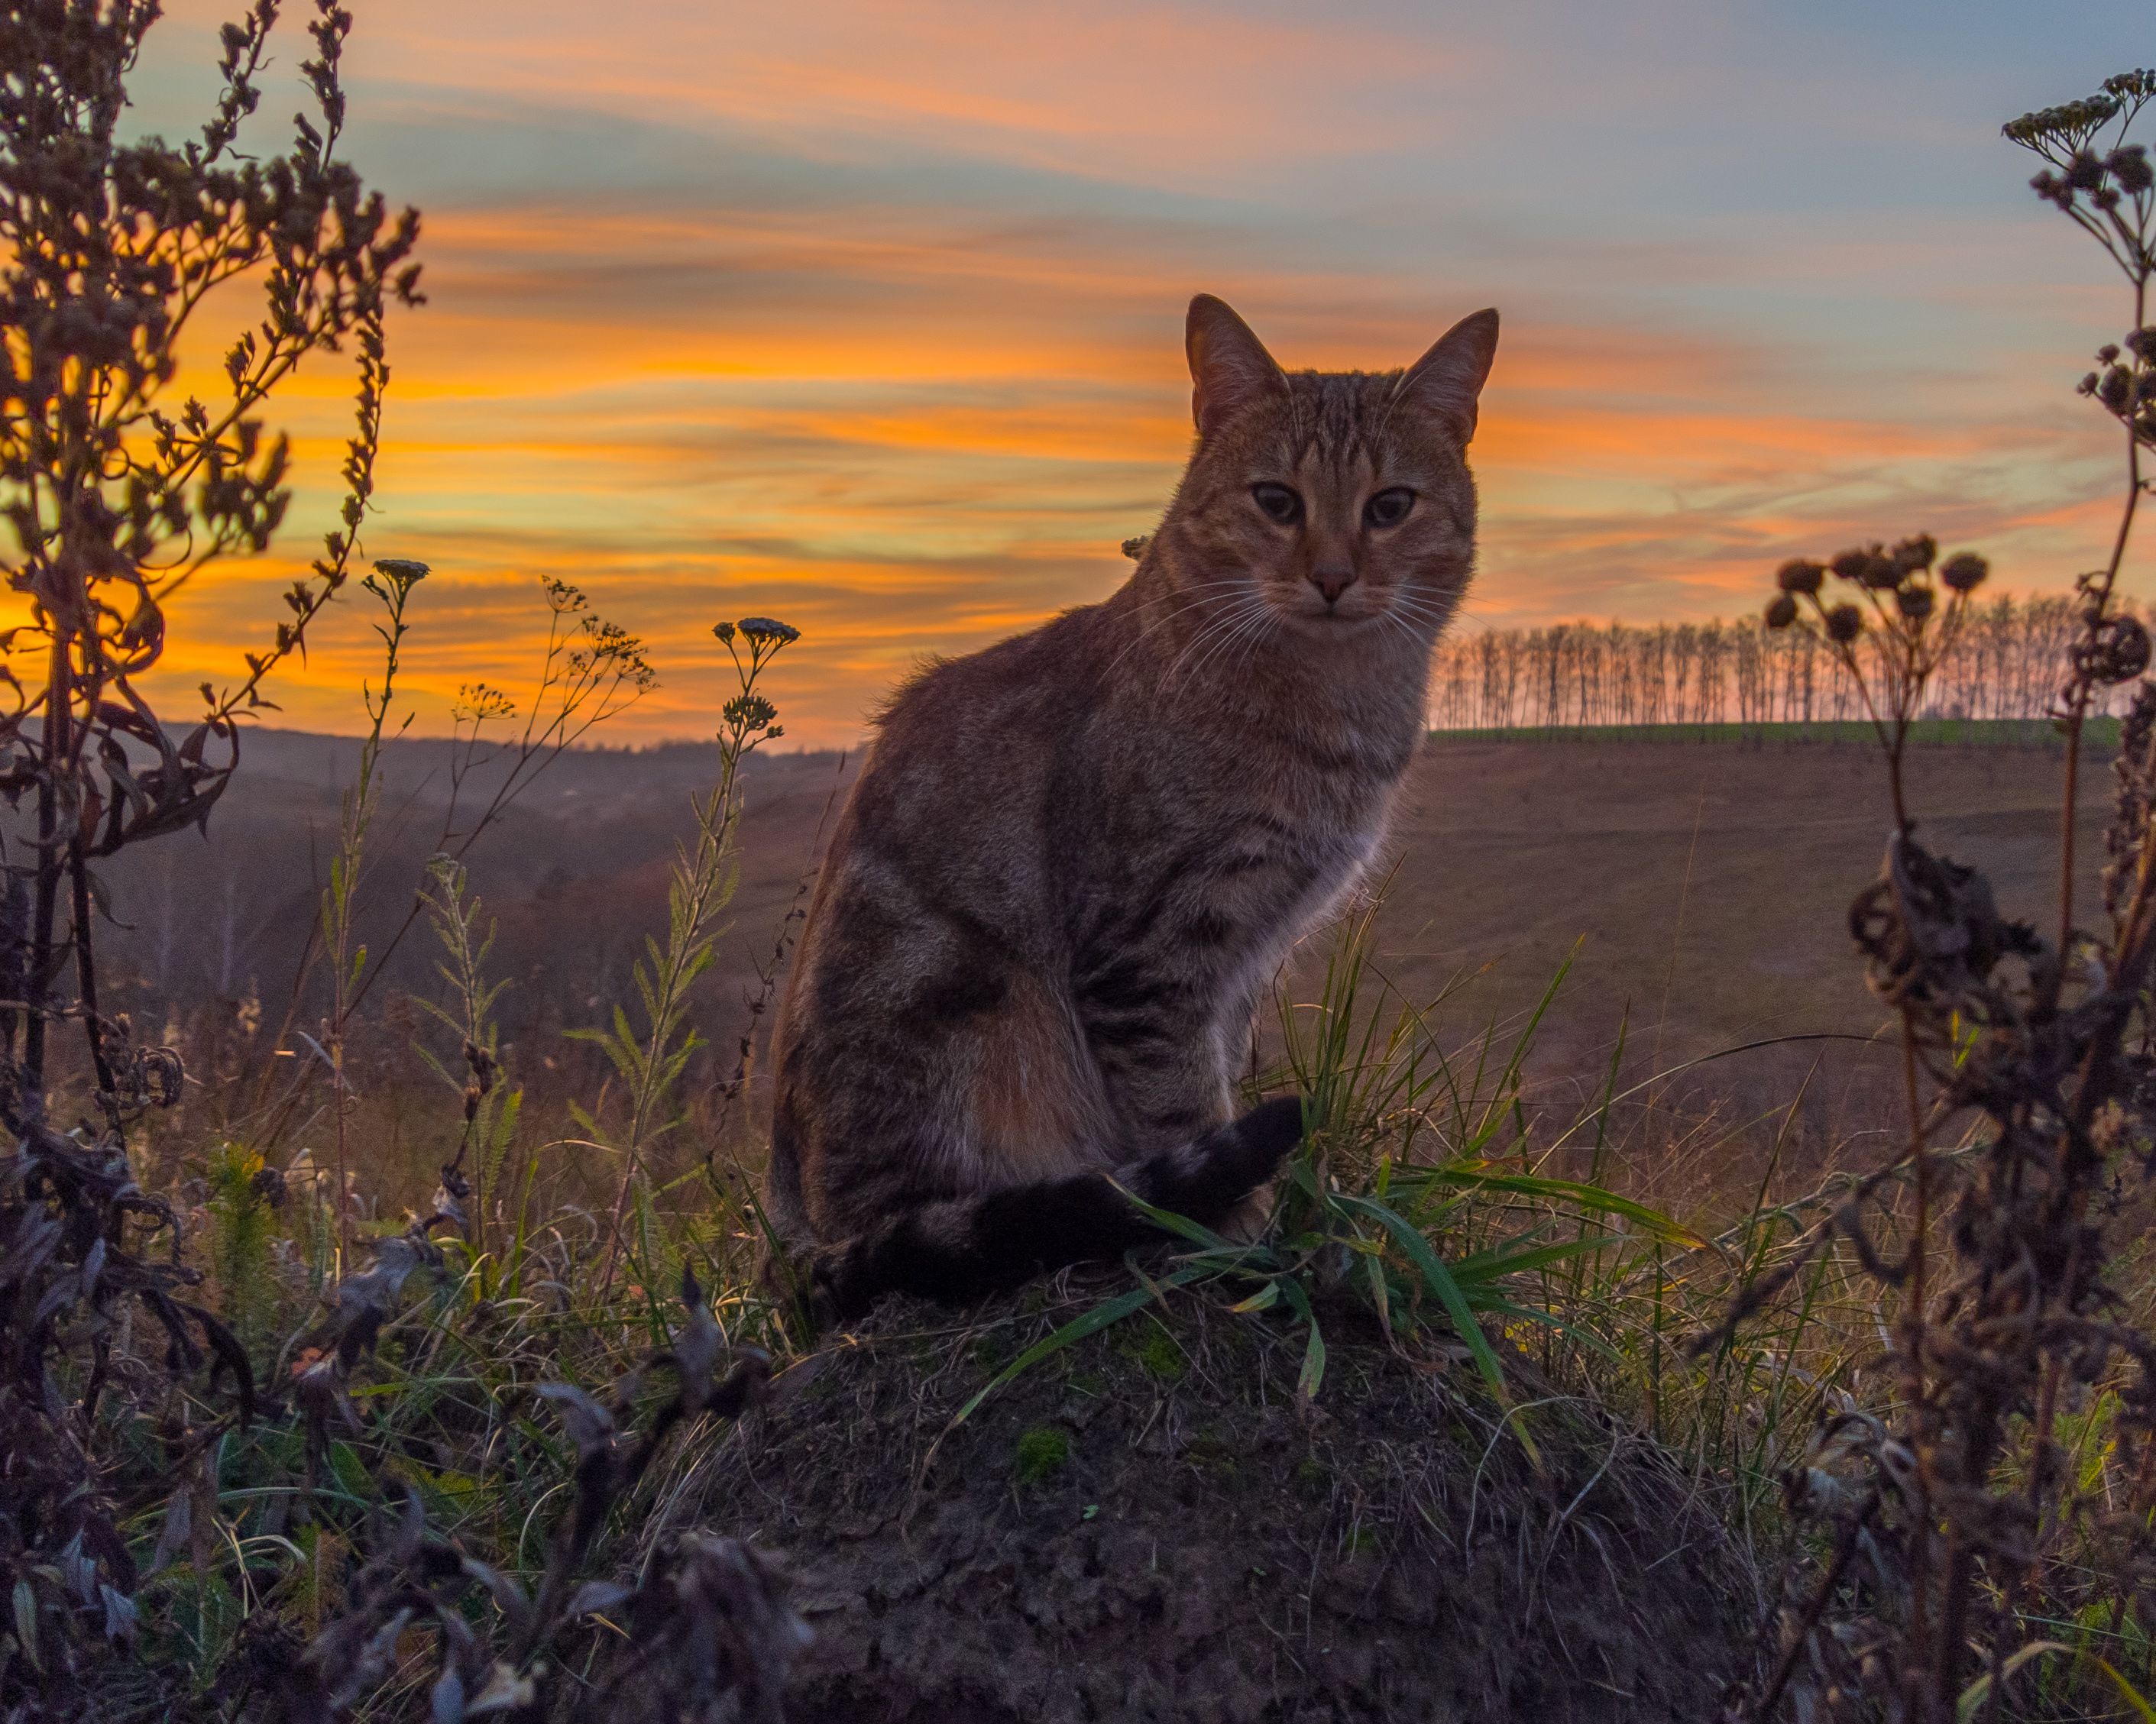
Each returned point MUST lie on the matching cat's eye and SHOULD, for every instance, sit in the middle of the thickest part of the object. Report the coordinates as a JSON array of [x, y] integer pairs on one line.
[[1279, 502], [1389, 508]]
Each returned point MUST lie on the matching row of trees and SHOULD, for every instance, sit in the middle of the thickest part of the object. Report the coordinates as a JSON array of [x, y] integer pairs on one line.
[[2003, 663]]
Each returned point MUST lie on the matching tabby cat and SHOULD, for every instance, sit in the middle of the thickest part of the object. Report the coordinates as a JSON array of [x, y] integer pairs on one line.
[[1073, 861]]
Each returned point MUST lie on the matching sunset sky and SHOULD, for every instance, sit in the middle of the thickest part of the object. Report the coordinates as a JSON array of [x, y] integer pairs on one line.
[[869, 316]]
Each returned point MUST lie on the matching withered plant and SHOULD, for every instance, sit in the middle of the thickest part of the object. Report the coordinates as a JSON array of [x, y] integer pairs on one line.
[[1985, 1543], [118, 490], [704, 1635]]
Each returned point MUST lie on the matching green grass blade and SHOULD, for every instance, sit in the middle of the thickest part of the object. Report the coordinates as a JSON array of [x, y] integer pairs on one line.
[[1103, 1316], [1311, 1377], [1440, 1282], [1485, 1175]]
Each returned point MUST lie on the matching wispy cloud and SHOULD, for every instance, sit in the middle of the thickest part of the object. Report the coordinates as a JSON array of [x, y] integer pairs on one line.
[[870, 317]]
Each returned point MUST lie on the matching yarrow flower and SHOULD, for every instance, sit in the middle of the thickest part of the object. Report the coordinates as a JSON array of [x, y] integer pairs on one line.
[[763, 628]]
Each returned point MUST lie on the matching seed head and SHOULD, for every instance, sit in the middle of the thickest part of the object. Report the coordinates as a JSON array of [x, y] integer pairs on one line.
[[1965, 572], [1781, 610], [1800, 575], [748, 712], [1850, 565], [724, 631], [763, 628], [1915, 602], [1844, 624], [1916, 553]]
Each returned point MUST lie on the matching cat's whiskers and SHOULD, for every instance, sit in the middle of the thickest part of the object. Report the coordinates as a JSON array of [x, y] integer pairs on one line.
[[1226, 625], [1420, 609], [1223, 611], [1248, 628], [1228, 617], [1258, 637], [1192, 599]]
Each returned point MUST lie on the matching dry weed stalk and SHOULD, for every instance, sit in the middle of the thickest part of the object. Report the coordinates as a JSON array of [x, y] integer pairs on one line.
[[650, 1062], [1964, 1548], [116, 497]]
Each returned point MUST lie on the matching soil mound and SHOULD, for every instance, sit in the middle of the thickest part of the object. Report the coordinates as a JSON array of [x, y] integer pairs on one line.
[[1150, 1525]]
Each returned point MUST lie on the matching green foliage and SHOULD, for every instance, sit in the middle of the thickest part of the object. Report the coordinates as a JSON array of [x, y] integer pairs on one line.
[[1043, 1450], [242, 1225], [1158, 1354]]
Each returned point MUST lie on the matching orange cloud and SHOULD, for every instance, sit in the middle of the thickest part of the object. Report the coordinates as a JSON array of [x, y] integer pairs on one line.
[[870, 318]]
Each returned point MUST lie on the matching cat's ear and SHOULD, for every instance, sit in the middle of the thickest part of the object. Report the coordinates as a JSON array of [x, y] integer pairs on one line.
[[1447, 382], [1229, 368]]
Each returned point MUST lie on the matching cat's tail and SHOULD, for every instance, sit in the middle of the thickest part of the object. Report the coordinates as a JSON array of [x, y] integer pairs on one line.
[[964, 1248]]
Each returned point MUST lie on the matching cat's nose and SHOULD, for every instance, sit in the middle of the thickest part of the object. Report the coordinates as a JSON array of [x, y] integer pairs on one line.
[[1332, 581]]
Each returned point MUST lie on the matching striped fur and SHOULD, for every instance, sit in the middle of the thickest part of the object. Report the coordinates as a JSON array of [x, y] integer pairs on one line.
[[1074, 860]]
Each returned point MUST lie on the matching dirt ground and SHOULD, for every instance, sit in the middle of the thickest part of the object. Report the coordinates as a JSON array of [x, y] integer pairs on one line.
[[1150, 1526]]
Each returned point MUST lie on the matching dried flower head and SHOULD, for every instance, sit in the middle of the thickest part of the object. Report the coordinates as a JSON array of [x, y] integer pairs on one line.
[[1781, 610], [481, 700], [764, 629], [1800, 574], [2116, 651], [1914, 603], [562, 597], [2067, 127], [2128, 167], [1913, 554], [1844, 624], [724, 631], [748, 712], [2085, 172], [1965, 572]]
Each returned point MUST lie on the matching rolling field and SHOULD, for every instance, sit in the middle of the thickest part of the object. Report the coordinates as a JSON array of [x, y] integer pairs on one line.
[[1704, 885]]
